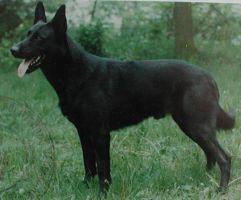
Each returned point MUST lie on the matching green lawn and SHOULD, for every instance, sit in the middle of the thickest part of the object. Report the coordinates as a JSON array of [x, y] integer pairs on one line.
[[41, 158]]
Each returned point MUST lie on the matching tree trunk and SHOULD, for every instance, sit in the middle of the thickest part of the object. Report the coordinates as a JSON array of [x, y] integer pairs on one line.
[[183, 25], [93, 11], [8, 17]]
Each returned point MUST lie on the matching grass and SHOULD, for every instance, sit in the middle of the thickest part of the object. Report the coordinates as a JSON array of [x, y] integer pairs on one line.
[[41, 158]]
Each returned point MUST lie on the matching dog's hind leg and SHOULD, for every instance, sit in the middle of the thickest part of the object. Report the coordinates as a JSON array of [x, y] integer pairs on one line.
[[204, 136], [210, 144], [224, 162], [211, 161]]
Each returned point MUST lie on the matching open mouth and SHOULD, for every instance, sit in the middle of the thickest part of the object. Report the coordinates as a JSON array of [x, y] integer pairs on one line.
[[29, 65]]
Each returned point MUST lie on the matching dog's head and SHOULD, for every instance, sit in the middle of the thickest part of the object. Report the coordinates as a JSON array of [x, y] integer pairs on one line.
[[44, 40]]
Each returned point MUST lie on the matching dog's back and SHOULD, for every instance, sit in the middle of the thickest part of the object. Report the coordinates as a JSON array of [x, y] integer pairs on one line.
[[133, 91]]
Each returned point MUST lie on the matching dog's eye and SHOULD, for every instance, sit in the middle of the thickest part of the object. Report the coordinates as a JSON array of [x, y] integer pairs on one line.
[[29, 33], [36, 37]]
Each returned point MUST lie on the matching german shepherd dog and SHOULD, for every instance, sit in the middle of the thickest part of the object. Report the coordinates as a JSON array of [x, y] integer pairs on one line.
[[99, 94]]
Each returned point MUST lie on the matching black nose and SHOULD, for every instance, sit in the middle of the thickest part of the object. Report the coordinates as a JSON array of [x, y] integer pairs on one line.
[[14, 50]]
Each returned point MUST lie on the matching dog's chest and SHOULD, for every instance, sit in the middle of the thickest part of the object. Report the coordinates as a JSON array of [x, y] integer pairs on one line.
[[70, 106], [82, 105]]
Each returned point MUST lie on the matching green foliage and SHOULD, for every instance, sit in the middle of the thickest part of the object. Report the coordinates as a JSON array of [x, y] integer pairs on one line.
[[139, 41], [90, 36], [51, 6], [216, 22], [141, 35], [145, 30], [12, 14]]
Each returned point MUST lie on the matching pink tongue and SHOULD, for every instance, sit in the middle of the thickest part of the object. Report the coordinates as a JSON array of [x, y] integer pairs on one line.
[[23, 67]]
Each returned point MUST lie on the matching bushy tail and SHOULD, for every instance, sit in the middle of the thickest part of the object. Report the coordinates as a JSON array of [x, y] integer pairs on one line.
[[225, 120]]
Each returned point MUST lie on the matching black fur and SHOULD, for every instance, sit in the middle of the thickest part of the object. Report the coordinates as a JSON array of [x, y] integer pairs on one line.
[[99, 95]]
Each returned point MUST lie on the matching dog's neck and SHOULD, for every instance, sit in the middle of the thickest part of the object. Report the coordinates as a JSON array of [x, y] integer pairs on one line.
[[73, 61]]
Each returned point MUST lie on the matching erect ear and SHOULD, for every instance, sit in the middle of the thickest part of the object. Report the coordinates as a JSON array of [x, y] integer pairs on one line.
[[59, 22], [40, 13]]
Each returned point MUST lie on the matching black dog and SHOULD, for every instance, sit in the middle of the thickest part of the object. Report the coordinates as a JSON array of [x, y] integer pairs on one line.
[[99, 95]]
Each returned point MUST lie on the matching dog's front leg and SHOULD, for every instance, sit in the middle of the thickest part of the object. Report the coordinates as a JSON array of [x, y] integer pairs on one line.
[[89, 157], [102, 147], [88, 151]]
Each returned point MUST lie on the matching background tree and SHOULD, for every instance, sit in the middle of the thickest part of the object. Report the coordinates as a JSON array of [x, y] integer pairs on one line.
[[183, 26], [9, 18]]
